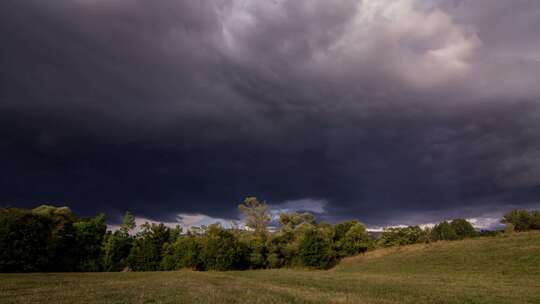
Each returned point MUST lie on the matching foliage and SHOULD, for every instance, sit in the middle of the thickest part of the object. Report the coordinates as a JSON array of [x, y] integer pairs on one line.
[[128, 223], [356, 240], [293, 220], [185, 252], [90, 234], [62, 243], [509, 228], [522, 220], [444, 231], [50, 238], [24, 239], [316, 251], [117, 245], [399, 236], [463, 228], [278, 253], [258, 252], [148, 249], [220, 250], [340, 229], [256, 214]]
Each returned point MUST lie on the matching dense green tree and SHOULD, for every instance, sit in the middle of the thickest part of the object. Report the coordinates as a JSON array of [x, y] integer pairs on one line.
[[293, 220], [90, 234], [355, 241], [221, 250], [340, 229], [316, 251], [24, 241], [463, 228], [521, 219], [278, 252], [257, 252], [399, 236], [185, 252], [117, 245], [62, 242], [128, 223], [444, 231], [535, 219], [148, 249]]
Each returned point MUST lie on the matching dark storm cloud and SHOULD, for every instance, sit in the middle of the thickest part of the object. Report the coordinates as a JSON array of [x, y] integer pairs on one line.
[[394, 111]]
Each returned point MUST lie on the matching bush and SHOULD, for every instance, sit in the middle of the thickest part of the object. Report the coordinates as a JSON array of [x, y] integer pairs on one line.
[[24, 239], [522, 220], [316, 251], [116, 248], [463, 228], [399, 236], [535, 220], [183, 253], [221, 250], [147, 253], [356, 240], [509, 228], [444, 231], [278, 255], [90, 235], [257, 252]]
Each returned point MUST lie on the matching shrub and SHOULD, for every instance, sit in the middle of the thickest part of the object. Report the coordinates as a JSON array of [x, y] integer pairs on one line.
[[149, 247], [221, 250], [399, 236], [509, 228], [24, 240], [183, 253], [521, 219], [444, 231], [355, 241], [278, 255], [463, 228], [316, 251]]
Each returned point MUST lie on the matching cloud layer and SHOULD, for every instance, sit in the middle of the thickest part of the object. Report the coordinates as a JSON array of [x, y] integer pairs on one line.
[[400, 110]]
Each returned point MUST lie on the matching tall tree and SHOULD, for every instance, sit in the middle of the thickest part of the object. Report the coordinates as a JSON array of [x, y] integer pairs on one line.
[[147, 253], [256, 214], [62, 243], [128, 223], [118, 244], [90, 235]]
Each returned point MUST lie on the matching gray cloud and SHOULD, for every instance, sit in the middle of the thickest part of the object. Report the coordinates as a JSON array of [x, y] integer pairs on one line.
[[388, 110]]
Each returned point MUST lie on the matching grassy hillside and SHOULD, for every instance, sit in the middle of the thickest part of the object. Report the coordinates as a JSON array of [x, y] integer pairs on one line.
[[503, 269]]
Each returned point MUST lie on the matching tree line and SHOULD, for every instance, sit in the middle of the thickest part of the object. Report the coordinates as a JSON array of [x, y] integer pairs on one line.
[[53, 239]]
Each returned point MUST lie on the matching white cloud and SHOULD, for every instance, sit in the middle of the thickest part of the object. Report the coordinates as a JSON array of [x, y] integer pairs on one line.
[[421, 47], [186, 221], [486, 223]]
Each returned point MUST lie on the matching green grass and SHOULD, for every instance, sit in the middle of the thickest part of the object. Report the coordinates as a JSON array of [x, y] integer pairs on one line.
[[504, 269]]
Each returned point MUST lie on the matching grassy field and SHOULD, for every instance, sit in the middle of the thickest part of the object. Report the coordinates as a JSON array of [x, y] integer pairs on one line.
[[504, 269]]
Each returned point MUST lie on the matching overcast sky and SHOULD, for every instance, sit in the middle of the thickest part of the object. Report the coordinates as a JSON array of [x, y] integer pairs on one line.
[[392, 112]]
